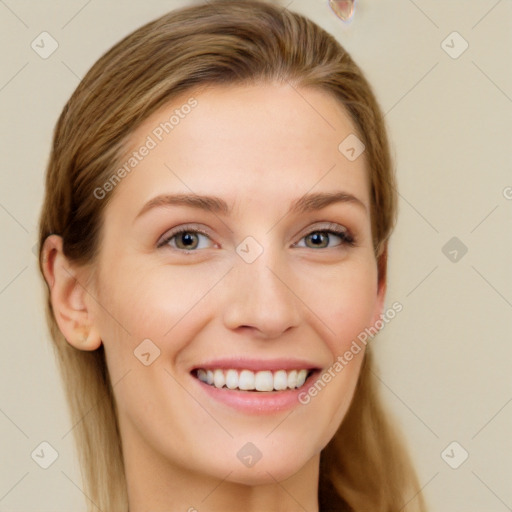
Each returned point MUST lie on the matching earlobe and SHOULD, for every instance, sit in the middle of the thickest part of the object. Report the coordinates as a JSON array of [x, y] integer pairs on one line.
[[68, 296]]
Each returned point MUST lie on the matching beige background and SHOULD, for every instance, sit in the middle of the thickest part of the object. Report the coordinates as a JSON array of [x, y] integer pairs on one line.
[[444, 361]]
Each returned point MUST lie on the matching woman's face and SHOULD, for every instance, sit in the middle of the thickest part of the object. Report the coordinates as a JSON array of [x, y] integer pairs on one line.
[[258, 282]]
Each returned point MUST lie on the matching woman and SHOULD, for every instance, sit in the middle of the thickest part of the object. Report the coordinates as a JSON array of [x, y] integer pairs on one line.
[[219, 200]]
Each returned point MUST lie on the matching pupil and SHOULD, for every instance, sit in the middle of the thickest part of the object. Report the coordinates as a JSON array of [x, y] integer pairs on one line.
[[317, 238], [187, 239]]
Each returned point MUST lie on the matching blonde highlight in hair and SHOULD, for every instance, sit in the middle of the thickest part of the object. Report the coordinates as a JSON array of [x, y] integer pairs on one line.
[[227, 42]]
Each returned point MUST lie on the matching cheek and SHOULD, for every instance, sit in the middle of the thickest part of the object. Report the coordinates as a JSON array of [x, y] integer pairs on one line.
[[346, 307], [138, 302], [346, 311], [354, 311], [345, 301]]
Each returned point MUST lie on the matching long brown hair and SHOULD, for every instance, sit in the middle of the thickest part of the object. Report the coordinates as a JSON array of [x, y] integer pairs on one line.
[[364, 467]]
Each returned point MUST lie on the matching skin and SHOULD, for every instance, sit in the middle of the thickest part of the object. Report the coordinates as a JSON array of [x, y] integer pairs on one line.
[[259, 148]]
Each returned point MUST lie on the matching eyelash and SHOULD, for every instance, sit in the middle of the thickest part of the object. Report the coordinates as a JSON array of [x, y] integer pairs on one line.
[[346, 238]]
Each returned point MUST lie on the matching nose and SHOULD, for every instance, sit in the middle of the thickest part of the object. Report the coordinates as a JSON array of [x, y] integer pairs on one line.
[[260, 297]]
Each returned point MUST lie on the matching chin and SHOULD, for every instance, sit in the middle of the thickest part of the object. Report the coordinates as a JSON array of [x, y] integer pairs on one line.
[[274, 465], [264, 473]]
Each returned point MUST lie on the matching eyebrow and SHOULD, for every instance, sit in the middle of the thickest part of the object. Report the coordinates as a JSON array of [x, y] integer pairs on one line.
[[306, 203]]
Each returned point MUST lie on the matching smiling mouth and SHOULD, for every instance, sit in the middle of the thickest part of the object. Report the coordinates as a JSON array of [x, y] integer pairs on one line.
[[247, 380]]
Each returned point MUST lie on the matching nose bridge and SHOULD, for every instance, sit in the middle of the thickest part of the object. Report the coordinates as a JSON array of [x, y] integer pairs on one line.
[[259, 294]]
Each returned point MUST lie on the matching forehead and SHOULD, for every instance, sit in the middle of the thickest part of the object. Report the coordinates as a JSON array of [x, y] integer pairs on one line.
[[255, 143]]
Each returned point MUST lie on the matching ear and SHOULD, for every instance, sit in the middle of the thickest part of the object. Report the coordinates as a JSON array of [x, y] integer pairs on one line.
[[68, 296]]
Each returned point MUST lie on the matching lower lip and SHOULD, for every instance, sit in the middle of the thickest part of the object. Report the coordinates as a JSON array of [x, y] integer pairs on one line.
[[258, 402]]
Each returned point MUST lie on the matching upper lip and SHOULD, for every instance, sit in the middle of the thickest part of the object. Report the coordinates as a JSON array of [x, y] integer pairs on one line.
[[256, 364]]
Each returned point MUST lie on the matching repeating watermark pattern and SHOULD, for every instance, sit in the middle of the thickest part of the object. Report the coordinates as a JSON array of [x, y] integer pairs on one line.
[[147, 352], [157, 135], [351, 147], [454, 249], [454, 455], [44, 455], [249, 249], [355, 348], [249, 455], [44, 45], [507, 193], [454, 45]]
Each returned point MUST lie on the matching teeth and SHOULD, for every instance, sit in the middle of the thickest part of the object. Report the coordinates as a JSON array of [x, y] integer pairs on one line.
[[301, 377], [218, 379], [231, 379], [292, 379], [264, 381], [247, 380], [280, 380]]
